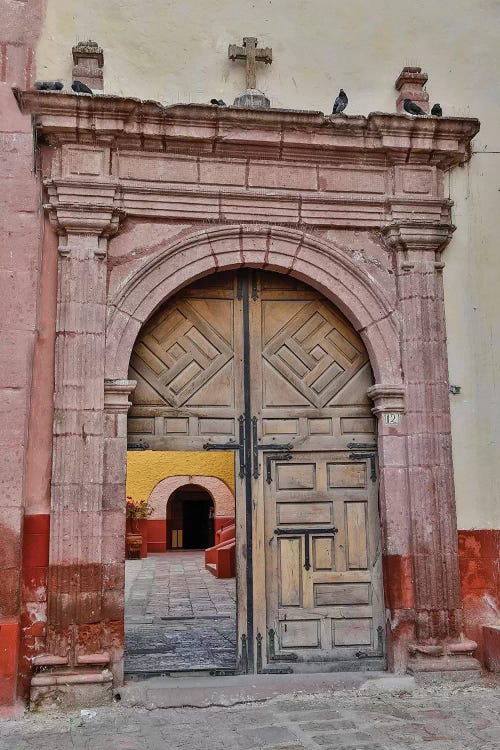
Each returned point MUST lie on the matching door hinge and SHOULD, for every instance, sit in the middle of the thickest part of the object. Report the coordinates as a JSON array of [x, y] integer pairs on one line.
[[370, 454]]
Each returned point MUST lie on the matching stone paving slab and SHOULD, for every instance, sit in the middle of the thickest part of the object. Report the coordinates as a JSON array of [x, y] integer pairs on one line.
[[443, 717], [178, 617]]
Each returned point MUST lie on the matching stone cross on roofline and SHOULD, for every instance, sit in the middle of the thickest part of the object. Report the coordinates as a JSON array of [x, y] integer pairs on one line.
[[252, 54]]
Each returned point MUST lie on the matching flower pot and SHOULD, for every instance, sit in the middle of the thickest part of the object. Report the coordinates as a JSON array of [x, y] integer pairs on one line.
[[133, 541]]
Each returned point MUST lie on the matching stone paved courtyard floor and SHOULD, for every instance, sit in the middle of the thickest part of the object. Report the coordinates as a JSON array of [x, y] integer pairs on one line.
[[177, 615], [442, 717]]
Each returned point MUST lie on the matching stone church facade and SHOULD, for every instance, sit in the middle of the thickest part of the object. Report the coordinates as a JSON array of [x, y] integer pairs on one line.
[[119, 212]]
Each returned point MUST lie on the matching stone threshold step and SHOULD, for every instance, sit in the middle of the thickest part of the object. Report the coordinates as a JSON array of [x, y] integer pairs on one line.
[[201, 690]]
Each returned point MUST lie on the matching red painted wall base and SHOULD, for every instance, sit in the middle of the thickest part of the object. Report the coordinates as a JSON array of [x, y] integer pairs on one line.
[[479, 556], [157, 532]]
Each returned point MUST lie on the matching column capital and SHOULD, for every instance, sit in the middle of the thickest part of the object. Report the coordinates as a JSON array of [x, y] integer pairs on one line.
[[90, 210], [387, 398], [116, 393], [404, 236]]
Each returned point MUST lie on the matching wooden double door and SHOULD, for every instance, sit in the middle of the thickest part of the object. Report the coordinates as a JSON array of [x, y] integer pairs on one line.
[[261, 365]]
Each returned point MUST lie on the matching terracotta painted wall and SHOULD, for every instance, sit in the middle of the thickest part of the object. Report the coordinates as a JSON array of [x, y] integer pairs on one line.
[[480, 571], [20, 261]]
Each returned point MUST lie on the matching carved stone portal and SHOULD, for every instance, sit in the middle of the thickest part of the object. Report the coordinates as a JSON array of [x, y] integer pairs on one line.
[[358, 212]]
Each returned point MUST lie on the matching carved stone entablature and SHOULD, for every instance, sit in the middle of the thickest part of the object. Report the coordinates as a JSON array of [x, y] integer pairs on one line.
[[229, 165], [387, 398]]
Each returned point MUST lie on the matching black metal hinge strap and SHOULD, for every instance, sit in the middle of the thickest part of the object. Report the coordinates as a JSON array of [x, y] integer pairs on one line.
[[255, 448], [379, 651], [372, 459], [232, 446], [275, 457]]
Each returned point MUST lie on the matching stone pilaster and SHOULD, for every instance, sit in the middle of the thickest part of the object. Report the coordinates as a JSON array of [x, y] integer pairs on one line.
[[438, 604], [77, 637], [116, 406], [389, 408]]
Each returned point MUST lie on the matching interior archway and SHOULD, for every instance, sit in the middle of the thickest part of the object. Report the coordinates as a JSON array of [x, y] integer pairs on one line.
[[190, 516]]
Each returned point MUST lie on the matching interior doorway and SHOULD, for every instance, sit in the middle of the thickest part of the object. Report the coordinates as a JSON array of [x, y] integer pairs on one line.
[[190, 519]]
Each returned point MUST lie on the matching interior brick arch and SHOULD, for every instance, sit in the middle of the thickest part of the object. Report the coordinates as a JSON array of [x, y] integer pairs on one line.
[[220, 493]]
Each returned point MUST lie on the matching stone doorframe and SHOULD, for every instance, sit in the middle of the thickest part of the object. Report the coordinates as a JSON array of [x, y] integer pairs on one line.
[[292, 192]]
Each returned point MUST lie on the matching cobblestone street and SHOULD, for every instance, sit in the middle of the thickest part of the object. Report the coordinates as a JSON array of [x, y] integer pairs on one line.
[[441, 717], [177, 615]]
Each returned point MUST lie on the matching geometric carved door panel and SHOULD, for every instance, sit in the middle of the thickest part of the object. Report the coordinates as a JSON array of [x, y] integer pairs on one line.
[[187, 365], [307, 489]]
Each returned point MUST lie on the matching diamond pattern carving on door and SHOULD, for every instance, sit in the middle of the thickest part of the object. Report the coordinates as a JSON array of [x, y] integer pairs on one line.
[[315, 352], [180, 353]]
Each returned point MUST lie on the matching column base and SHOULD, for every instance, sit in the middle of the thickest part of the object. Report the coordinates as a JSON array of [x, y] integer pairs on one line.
[[67, 688], [449, 661]]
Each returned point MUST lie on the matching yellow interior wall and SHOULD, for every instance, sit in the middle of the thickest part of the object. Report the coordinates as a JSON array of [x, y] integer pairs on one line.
[[146, 468]]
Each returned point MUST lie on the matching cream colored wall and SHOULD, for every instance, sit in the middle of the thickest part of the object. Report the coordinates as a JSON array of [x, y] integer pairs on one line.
[[177, 52]]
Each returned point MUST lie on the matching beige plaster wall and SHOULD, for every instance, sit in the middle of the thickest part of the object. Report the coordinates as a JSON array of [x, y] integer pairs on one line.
[[176, 51]]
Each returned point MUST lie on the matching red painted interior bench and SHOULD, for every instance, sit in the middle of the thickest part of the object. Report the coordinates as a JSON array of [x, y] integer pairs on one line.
[[220, 560]]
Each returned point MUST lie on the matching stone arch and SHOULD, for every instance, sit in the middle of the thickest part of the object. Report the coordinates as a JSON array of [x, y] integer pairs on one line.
[[218, 490], [322, 265]]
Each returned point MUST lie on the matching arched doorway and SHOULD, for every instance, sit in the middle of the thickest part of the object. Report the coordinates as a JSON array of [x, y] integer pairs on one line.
[[190, 519], [263, 366]]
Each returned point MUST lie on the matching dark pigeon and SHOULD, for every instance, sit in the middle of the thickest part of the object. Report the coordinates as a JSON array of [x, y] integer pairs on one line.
[[81, 88], [436, 110], [218, 102], [412, 108], [340, 102], [49, 85]]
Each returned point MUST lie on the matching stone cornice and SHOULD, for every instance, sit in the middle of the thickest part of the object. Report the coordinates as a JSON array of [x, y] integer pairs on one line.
[[275, 133]]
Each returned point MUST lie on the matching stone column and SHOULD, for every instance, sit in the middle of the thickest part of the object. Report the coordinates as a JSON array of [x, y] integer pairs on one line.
[[439, 641], [78, 643]]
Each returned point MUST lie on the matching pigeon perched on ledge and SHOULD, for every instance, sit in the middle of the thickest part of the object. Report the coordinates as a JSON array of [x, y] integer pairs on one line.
[[436, 110], [412, 108], [340, 102], [218, 102], [49, 85], [81, 88]]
